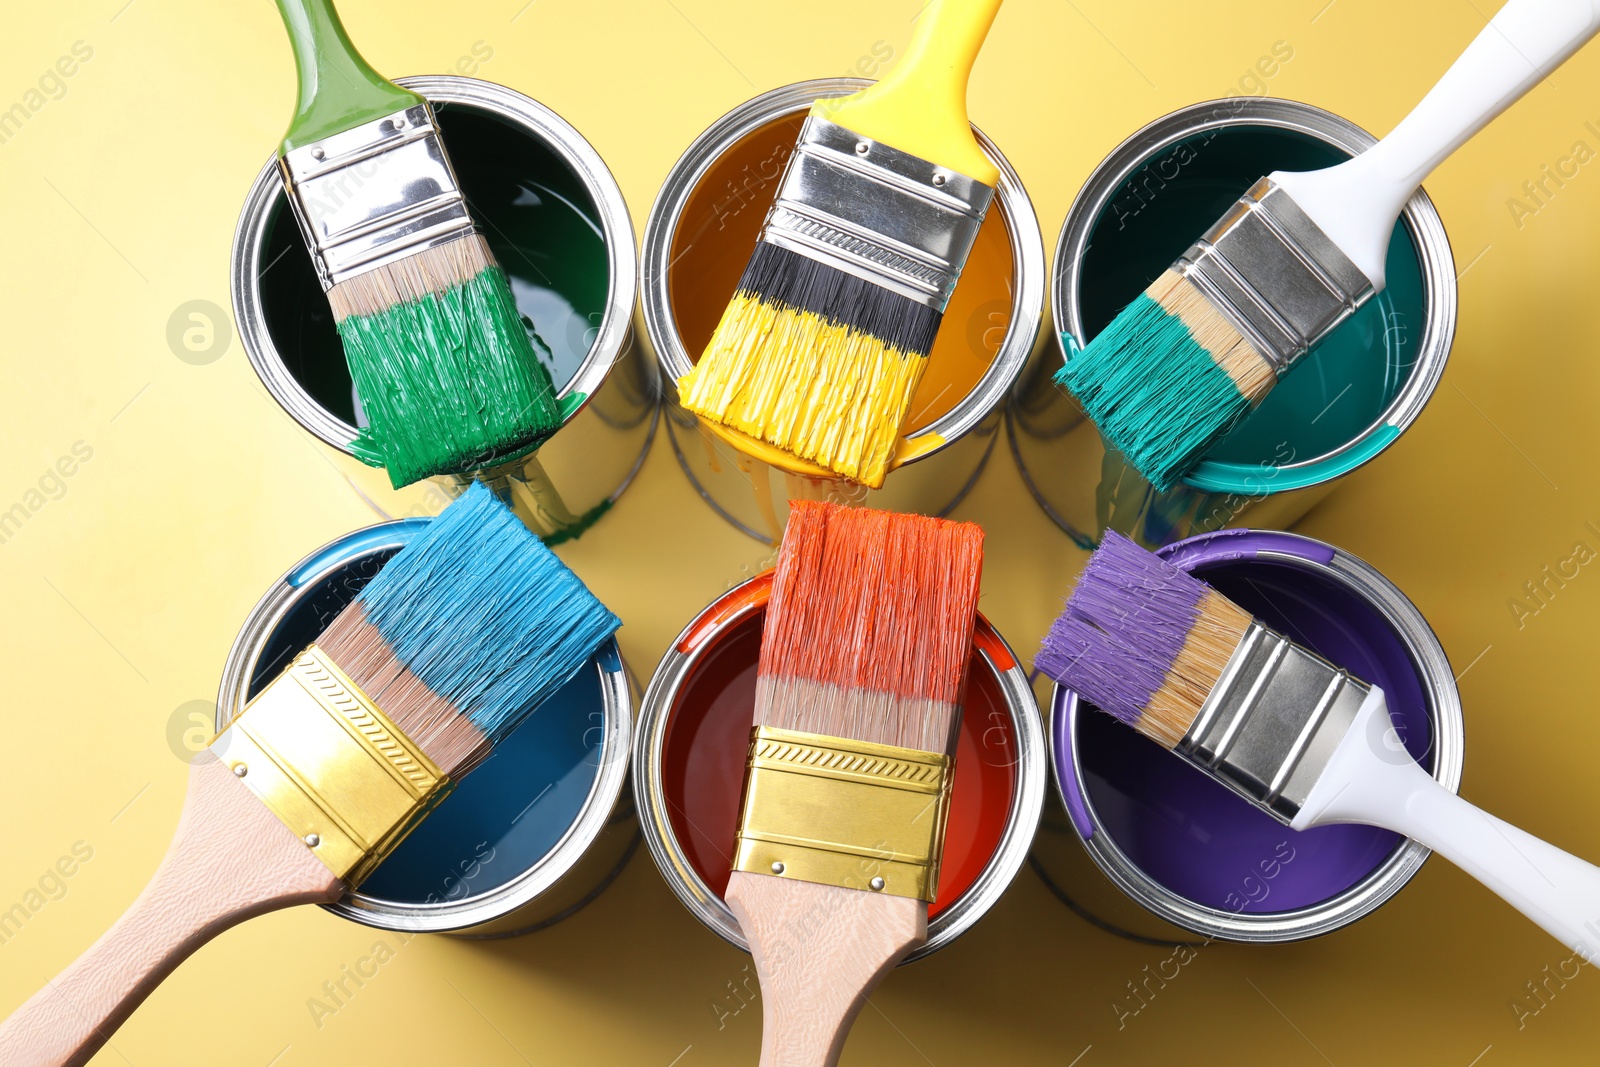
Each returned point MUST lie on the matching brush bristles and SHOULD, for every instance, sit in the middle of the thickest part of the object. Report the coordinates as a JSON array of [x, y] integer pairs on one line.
[[446, 370], [467, 630], [1252, 375], [814, 361], [1142, 639], [1167, 378], [868, 631], [432, 270]]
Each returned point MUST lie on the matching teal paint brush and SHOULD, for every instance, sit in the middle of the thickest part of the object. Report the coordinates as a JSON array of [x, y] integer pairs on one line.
[[445, 370], [1293, 258], [443, 653]]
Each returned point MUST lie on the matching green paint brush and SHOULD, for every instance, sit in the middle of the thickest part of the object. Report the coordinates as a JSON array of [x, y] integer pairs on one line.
[[445, 371]]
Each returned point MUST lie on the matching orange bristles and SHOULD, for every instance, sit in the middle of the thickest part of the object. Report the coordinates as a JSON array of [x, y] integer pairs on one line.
[[869, 627]]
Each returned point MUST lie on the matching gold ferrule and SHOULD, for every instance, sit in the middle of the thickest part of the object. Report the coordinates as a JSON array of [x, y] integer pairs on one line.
[[841, 812], [331, 766]]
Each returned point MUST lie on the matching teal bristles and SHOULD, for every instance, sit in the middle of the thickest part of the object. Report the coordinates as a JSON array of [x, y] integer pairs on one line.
[[448, 380], [1157, 396], [484, 614]]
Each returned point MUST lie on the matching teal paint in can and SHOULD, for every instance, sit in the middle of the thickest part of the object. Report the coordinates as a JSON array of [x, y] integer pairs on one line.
[[1341, 405]]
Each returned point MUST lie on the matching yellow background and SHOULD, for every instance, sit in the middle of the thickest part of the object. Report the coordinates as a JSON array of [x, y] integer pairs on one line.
[[121, 597]]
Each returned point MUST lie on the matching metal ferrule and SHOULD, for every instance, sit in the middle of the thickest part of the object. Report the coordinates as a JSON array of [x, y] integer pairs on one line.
[[374, 194], [1273, 721], [842, 812], [877, 213], [1274, 275], [331, 766]]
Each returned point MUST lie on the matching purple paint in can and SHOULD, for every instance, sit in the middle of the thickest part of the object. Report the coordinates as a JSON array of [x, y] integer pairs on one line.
[[1200, 856]]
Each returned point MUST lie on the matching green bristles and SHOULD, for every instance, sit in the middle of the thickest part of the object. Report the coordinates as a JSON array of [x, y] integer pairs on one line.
[[1157, 396], [448, 380]]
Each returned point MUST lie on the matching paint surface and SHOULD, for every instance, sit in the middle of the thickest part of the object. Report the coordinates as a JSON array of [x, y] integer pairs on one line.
[[717, 231], [510, 812], [1334, 393], [541, 225], [1200, 840], [708, 737]]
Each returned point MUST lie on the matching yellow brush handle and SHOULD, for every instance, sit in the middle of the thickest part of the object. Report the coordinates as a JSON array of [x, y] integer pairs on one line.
[[921, 107]]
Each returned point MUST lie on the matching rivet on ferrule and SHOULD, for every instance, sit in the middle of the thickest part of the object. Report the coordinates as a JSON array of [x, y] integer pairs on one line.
[[842, 812], [331, 766]]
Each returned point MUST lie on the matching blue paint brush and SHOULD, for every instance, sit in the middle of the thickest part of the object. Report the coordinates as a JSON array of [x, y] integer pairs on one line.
[[456, 640], [1296, 736]]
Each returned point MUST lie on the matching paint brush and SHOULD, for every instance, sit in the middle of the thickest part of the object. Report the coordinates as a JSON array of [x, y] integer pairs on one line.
[[864, 656], [820, 351], [1301, 739], [445, 651], [445, 371], [1293, 258]]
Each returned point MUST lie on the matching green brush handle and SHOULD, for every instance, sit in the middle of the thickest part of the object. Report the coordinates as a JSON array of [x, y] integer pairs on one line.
[[338, 90]]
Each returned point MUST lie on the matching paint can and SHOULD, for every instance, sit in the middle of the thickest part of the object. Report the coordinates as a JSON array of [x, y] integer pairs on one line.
[[698, 238], [1341, 406], [531, 836], [1188, 855], [694, 734], [556, 221]]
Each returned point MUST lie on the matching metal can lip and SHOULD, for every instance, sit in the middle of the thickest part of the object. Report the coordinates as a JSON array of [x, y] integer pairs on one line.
[[1444, 705], [1027, 802], [473, 910], [1420, 217], [520, 111], [1027, 254]]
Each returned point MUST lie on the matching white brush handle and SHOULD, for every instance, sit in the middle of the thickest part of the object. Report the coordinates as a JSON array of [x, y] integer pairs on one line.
[[1369, 781], [1357, 203]]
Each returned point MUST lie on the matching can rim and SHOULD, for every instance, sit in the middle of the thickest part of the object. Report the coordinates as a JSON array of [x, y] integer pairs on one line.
[[1389, 877], [1022, 226], [1027, 801], [1420, 218], [479, 908], [522, 111]]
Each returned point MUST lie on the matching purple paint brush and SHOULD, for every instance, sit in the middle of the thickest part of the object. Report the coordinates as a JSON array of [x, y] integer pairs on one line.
[[1147, 642]]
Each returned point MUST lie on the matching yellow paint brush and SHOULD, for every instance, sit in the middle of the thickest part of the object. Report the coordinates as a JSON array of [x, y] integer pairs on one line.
[[821, 349]]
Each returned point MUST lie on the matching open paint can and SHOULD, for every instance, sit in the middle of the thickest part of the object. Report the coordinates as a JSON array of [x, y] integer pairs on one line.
[[532, 835], [700, 234], [1340, 406], [694, 735], [1198, 857], [556, 222]]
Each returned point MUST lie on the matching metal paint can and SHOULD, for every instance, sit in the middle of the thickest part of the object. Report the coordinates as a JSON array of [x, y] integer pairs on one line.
[[1341, 406], [697, 240], [556, 221], [694, 733], [1187, 854], [535, 833]]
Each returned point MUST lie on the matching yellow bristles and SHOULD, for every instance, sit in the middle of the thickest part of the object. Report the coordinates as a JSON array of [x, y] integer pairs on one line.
[[853, 389]]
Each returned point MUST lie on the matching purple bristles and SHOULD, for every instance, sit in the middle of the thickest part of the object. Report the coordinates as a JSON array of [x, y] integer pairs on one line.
[[1122, 628], [1138, 597], [1099, 668]]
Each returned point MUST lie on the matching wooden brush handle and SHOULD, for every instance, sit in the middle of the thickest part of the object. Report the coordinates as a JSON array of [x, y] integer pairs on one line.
[[819, 951], [230, 859]]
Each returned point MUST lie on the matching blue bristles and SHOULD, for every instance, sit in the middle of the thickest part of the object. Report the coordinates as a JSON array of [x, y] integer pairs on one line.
[[484, 614], [1157, 396]]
